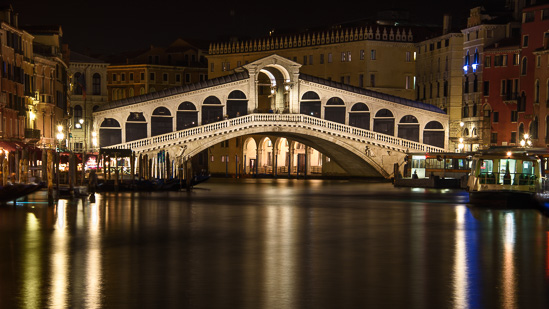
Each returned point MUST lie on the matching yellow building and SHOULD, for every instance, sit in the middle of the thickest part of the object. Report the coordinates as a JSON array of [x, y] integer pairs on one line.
[[379, 58]]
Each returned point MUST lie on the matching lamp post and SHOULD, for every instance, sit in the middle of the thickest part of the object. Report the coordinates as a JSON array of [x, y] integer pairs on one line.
[[526, 142]]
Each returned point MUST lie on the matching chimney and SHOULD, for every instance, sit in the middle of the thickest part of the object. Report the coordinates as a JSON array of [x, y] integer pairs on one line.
[[446, 24]]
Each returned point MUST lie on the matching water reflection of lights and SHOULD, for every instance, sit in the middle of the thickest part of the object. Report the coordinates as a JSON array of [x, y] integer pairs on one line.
[[460, 261], [93, 271], [32, 263], [280, 255], [509, 275], [59, 260]]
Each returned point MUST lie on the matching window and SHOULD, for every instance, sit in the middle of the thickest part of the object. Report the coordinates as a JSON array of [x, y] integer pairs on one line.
[[513, 137], [408, 56], [496, 117], [538, 61], [177, 78], [362, 54], [487, 61], [528, 17], [114, 77], [123, 77], [187, 78], [361, 80], [131, 77], [211, 67], [372, 80], [330, 58], [151, 76], [373, 54], [349, 56], [407, 82], [321, 58], [524, 66], [494, 138], [343, 56], [165, 77], [503, 87], [311, 59], [514, 116], [304, 60], [96, 84], [525, 41], [516, 59], [486, 88], [142, 76]]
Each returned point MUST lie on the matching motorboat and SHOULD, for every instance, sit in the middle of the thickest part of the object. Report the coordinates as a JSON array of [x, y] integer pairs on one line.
[[506, 177]]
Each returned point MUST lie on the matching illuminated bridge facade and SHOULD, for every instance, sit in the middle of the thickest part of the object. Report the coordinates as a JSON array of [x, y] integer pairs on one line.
[[364, 132]]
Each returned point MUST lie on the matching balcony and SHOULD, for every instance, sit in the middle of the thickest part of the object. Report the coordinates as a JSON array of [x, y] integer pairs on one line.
[[32, 134]]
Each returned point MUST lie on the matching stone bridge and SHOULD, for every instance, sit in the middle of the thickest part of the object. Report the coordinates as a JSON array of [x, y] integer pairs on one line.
[[363, 131]]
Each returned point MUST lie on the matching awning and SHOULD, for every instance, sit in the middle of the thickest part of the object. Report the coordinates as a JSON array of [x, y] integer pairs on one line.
[[12, 146]]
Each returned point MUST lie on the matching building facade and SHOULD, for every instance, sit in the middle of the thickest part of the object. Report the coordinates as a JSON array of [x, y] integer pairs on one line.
[[157, 69], [88, 93], [379, 58]]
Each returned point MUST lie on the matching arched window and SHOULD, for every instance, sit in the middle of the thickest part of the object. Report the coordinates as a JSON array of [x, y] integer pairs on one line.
[[187, 116], [359, 116], [77, 115], [310, 104], [408, 128], [524, 65], [384, 122], [161, 121], [335, 110], [433, 134], [212, 110], [79, 80], [534, 128], [536, 91], [96, 84], [237, 104]]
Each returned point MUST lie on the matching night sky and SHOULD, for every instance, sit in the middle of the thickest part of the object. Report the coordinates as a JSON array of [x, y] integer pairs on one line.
[[108, 27]]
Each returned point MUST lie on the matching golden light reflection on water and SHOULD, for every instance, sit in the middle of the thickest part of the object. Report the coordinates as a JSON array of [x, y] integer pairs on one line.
[[93, 270], [279, 262], [32, 263], [58, 297], [461, 289]]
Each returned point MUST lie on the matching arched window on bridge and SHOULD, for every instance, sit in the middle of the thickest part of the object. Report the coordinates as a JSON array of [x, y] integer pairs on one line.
[[335, 110], [187, 116], [433, 134], [110, 132], [237, 104], [384, 122], [408, 128], [136, 127], [310, 104], [212, 110], [359, 116], [161, 121]]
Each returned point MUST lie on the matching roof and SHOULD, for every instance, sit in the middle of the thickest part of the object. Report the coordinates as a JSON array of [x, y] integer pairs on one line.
[[175, 91], [76, 57], [371, 93]]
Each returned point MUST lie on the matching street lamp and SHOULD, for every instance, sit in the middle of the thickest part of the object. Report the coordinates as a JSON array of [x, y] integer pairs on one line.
[[60, 136], [526, 142]]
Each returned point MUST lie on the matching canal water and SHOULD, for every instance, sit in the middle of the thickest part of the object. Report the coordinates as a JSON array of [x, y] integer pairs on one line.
[[273, 244]]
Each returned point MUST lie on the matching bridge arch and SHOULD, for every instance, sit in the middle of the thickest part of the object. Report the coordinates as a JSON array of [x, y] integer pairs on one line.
[[434, 134], [408, 128], [136, 126], [187, 116], [335, 110], [237, 104], [110, 132], [310, 104], [212, 110], [359, 116], [384, 122], [161, 121]]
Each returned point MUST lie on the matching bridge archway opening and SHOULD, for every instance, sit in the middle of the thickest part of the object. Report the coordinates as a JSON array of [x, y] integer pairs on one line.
[[310, 104], [237, 104], [187, 116], [408, 128], [359, 116], [272, 89], [136, 126], [335, 110], [384, 122], [161, 121], [110, 132], [433, 134], [212, 110]]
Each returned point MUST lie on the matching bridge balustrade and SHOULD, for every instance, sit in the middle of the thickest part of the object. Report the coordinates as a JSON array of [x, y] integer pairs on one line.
[[350, 131]]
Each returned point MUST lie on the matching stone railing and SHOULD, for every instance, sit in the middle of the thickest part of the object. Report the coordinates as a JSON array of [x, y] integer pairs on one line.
[[278, 120]]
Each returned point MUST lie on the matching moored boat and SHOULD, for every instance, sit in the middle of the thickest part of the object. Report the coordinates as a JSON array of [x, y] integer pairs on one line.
[[506, 177]]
